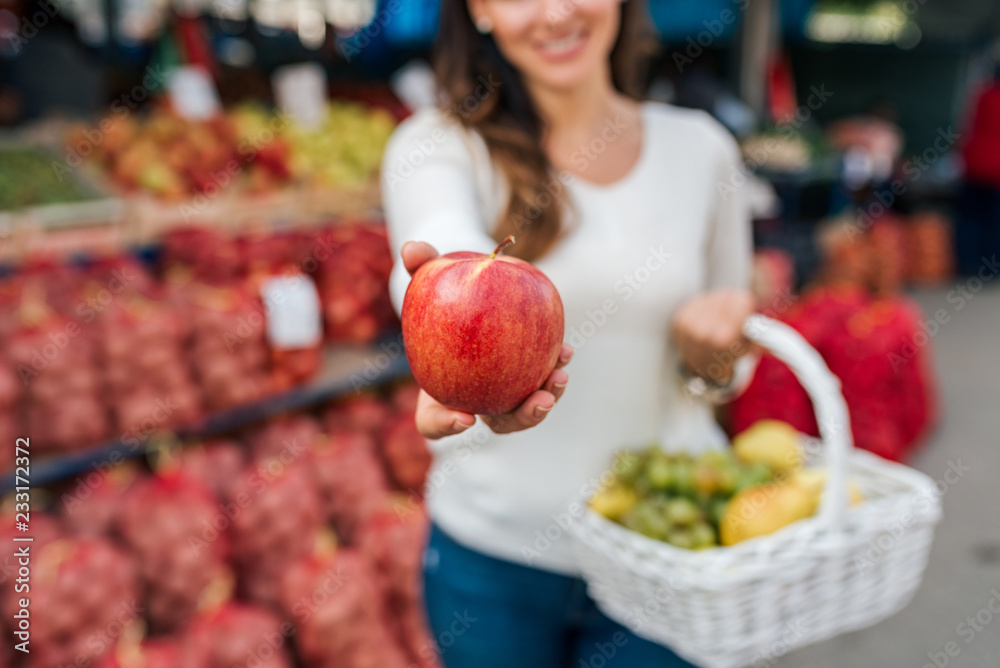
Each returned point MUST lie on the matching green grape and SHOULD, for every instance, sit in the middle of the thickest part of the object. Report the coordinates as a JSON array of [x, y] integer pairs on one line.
[[627, 467], [702, 536], [680, 538], [659, 473], [681, 511], [683, 482]]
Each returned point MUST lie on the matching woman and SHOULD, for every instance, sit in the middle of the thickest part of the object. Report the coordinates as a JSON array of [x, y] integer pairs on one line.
[[627, 207]]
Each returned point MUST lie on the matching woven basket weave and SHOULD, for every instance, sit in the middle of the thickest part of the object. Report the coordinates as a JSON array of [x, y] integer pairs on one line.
[[843, 569]]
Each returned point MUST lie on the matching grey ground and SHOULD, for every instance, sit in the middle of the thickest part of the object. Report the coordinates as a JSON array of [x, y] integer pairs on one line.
[[965, 561]]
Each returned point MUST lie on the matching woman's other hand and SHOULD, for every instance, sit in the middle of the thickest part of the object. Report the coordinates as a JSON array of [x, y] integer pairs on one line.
[[435, 420], [708, 332]]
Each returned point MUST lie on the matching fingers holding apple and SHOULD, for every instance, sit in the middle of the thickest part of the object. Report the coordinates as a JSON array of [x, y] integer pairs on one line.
[[483, 335], [415, 254], [435, 420]]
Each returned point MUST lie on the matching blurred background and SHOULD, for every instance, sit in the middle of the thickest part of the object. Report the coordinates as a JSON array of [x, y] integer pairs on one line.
[[198, 340]]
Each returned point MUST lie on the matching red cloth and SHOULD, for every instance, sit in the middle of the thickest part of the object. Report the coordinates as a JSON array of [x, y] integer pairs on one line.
[[982, 149]]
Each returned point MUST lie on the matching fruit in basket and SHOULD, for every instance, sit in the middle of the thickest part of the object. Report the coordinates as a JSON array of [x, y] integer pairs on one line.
[[482, 332], [764, 509], [674, 497], [771, 442], [614, 501]]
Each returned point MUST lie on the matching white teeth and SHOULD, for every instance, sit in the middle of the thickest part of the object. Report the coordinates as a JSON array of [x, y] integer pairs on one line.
[[562, 44]]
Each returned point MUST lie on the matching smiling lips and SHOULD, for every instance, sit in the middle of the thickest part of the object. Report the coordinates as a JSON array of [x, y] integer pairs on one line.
[[563, 48]]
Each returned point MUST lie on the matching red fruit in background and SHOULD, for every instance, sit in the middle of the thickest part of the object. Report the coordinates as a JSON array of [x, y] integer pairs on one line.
[[156, 653], [482, 332], [280, 516], [44, 529], [90, 506], [83, 597], [216, 464], [404, 398], [176, 528], [364, 413], [288, 437], [239, 635], [406, 453], [340, 620], [349, 474], [394, 538]]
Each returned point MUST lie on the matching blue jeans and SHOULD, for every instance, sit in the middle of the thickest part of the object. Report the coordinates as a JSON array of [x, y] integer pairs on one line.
[[491, 613]]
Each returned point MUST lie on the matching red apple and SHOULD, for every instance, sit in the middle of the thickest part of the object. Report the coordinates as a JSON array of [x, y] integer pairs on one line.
[[482, 332]]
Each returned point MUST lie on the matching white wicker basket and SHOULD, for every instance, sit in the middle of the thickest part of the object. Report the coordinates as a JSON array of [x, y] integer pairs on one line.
[[843, 569]]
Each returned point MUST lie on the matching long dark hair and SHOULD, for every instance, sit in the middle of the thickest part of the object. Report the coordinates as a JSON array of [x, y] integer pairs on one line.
[[488, 95]]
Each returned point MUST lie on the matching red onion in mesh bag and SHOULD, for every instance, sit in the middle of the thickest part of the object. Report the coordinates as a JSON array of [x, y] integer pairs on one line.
[[240, 635], [44, 529], [91, 505], [394, 538], [277, 516], [288, 438], [406, 453], [404, 398], [338, 613], [365, 413], [177, 529], [83, 598], [216, 463], [154, 653], [350, 478]]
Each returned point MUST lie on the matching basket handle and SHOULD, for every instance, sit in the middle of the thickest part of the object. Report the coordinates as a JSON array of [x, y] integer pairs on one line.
[[824, 389]]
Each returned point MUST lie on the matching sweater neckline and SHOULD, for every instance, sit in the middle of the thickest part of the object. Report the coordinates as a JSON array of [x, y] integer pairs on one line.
[[629, 176]]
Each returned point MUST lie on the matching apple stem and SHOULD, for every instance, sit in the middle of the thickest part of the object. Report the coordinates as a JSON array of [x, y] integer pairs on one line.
[[503, 244]]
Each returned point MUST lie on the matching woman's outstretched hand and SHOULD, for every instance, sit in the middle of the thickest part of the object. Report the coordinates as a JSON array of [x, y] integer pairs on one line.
[[434, 420], [708, 332]]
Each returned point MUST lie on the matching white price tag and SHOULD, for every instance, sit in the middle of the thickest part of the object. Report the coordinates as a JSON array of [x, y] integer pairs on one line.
[[293, 311], [300, 91], [192, 93]]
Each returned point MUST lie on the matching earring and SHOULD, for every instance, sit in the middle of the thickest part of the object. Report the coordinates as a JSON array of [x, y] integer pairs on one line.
[[484, 24]]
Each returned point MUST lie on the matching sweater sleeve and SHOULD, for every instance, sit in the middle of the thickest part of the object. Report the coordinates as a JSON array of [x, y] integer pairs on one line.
[[729, 260], [429, 192], [730, 242]]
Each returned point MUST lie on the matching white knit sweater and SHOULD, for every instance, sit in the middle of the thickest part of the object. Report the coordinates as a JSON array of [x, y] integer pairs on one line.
[[668, 230]]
